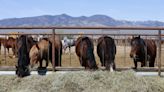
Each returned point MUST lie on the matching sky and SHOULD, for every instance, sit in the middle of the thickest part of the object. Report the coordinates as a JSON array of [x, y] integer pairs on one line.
[[132, 10]]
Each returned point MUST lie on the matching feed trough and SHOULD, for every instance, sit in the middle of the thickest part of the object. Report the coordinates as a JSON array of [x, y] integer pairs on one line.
[[42, 70]]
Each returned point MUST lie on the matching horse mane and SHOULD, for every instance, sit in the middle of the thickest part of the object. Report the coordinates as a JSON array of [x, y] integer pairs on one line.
[[138, 38]]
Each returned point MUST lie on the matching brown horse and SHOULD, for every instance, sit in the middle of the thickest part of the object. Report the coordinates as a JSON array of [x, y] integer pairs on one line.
[[106, 50], [9, 43], [84, 50], [143, 51], [1, 42], [43, 51]]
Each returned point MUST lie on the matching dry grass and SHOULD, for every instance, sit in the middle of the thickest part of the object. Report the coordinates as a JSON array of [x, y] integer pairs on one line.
[[83, 81]]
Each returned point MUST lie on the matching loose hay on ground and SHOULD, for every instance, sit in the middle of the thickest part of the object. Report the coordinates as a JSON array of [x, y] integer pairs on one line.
[[83, 81]]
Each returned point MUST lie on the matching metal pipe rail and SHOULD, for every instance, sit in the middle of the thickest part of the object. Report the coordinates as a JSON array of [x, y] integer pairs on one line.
[[71, 27], [162, 35], [96, 28]]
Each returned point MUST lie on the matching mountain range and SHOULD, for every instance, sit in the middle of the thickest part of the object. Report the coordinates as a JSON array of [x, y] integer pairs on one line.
[[66, 20]]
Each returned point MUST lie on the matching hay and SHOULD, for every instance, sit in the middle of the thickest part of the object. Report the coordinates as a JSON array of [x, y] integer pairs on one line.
[[83, 81]]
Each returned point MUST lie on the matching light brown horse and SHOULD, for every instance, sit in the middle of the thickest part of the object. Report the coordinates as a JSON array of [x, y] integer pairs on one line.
[[43, 51]]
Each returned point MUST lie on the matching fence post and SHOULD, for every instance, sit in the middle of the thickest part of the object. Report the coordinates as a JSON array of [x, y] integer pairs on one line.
[[70, 53], [5, 51], [124, 50], [159, 52], [53, 49]]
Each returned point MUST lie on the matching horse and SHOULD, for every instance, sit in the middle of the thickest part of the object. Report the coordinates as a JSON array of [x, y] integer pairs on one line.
[[106, 50], [43, 51], [84, 50], [68, 43], [24, 44], [143, 51], [10, 43], [1, 42]]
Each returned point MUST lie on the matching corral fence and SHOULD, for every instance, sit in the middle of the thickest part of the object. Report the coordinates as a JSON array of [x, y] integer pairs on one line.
[[121, 39]]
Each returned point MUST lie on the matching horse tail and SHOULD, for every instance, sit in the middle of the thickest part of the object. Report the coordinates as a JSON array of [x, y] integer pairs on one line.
[[89, 48]]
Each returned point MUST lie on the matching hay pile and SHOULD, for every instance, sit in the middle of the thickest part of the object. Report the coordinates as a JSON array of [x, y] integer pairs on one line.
[[83, 81]]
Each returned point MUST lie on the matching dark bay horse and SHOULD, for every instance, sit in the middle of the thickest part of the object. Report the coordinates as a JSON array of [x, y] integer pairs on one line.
[[106, 50], [143, 51], [24, 44], [43, 51], [84, 50]]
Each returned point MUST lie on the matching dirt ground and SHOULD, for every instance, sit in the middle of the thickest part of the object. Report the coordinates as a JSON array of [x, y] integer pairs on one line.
[[71, 60]]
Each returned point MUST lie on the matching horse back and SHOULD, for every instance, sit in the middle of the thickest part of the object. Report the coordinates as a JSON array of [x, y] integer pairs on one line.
[[151, 48], [82, 44], [106, 47], [58, 43]]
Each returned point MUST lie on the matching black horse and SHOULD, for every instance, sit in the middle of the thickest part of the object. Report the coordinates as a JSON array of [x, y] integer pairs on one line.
[[106, 50], [24, 44], [143, 51]]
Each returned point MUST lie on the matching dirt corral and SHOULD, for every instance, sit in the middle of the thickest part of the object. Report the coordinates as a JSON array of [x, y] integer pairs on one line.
[[82, 81], [122, 58]]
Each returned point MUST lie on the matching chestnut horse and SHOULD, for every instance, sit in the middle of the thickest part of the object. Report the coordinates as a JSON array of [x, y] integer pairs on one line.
[[143, 51], [84, 50], [43, 51], [106, 50], [9, 43]]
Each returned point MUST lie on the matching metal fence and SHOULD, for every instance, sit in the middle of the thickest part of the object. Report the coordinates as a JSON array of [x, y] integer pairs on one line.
[[117, 36]]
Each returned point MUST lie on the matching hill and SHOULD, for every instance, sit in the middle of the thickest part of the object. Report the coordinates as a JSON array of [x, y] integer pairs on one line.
[[66, 20]]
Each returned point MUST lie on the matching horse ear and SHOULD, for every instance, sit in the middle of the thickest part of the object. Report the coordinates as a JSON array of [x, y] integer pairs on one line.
[[139, 36]]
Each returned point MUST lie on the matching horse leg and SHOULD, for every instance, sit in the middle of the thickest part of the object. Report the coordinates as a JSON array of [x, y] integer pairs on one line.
[[135, 64], [102, 61], [142, 63], [8, 51], [14, 53], [47, 63], [69, 49], [151, 62], [58, 53], [60, 56], [66, 49], [114, 66], [40, 62], [0, 48]]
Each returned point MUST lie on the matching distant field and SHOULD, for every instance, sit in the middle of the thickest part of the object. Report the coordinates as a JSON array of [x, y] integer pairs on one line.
[[72, 61]]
